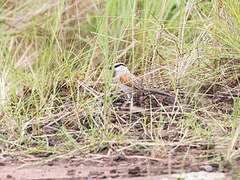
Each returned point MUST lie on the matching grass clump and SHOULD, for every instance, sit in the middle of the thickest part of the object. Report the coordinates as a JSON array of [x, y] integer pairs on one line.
[[57, 95]]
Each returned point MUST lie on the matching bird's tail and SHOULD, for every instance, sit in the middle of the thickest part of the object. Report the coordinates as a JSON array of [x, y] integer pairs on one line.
[[156, 91]]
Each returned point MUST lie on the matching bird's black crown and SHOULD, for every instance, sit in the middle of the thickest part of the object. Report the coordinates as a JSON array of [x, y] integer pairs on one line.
[[117, 65]]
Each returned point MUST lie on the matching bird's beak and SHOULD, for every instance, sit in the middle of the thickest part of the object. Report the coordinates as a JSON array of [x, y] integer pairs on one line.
[[110, 67]]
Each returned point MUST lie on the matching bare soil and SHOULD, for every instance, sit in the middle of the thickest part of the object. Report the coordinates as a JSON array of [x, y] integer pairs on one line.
[[129, 166]]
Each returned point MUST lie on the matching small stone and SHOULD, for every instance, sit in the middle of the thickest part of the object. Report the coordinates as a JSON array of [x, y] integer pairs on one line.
[[71, 172], [208, 168], [113, 171], [134, 171], [119, 158]]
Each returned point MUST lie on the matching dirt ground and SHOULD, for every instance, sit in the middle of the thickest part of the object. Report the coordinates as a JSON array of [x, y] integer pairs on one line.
[[130, 166], [134, 164]]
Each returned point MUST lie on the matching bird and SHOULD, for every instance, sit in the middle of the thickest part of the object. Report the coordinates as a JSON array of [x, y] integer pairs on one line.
[[129, 82]]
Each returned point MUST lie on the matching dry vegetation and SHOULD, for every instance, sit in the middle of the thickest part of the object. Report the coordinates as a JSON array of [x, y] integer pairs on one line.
[[58, 99]]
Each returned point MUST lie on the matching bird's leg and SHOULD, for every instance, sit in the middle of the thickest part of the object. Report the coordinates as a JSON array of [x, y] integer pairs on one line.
[[129, 98]]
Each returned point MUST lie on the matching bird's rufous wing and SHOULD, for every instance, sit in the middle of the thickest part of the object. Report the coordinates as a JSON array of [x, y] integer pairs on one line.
[[129, 81]]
